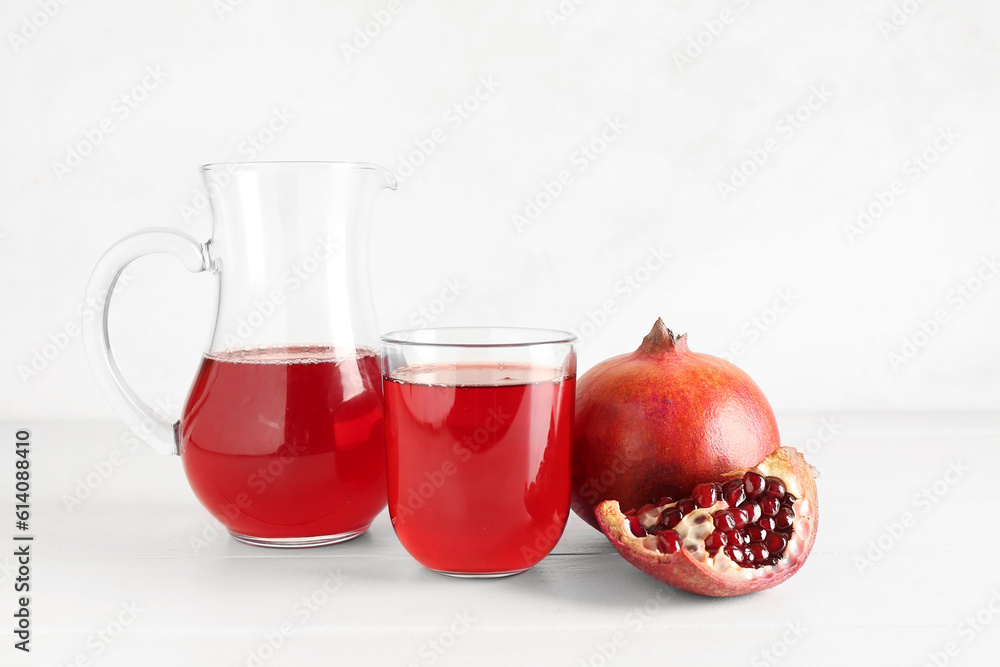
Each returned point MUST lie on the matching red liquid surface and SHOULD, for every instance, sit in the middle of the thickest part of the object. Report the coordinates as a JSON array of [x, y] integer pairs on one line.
[[478, 463], [287, 442]]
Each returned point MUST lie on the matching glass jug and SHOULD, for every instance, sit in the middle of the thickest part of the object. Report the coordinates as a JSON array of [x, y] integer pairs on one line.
[[281, 437]]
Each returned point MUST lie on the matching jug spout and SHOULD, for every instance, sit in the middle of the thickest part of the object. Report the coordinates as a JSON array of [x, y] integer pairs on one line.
[[388, 178]]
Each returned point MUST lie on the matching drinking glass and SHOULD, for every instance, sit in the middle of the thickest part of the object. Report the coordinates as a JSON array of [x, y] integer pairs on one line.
[[478, 445]]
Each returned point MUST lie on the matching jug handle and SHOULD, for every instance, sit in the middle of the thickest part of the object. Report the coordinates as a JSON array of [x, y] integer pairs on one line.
[[158, 432]]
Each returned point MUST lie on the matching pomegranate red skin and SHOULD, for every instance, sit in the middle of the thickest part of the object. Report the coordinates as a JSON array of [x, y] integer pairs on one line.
[[682, 570], [659, 420]]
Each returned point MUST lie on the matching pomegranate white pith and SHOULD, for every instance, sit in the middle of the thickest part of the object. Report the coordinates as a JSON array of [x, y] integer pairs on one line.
[[639, 535]]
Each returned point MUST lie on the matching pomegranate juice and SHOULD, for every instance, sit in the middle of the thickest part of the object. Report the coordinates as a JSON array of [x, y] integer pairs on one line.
[[478, 463], [287, 442]]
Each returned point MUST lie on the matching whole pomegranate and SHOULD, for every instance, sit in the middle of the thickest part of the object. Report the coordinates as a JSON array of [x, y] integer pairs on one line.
[[662, 419]]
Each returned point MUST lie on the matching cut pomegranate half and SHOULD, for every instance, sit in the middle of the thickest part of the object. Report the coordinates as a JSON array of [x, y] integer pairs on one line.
[[745, 535]]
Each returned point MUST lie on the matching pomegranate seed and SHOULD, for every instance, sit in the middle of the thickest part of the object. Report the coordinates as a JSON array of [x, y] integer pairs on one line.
[[773, 560], [735, 538], [748, 555], [669, 542], [769, 506], [686, 505], [735, 498], [753, 483], [758, 552], [755, 533], [636, 527], [767, 523], [706, 494], [665, 500], [724, 520], [788, 500], [714, 542], [753, 511], [733, 492], [735, 554], [645, 508], [732, 484], [670, 518], [741, 517], [774, 487], [775, 543], [784, 518]]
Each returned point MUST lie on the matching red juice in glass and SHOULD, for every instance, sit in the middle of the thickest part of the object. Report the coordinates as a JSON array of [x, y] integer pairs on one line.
[[478, 463], [287, 442]]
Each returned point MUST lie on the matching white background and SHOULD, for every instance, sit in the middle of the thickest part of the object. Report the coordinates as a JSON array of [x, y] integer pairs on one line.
[[854, 300]]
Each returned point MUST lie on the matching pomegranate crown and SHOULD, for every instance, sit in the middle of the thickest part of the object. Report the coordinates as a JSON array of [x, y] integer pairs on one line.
[[660, 339]]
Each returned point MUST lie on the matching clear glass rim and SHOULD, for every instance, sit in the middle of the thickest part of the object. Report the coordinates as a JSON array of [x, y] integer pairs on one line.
[[478, 337], [290, 164]]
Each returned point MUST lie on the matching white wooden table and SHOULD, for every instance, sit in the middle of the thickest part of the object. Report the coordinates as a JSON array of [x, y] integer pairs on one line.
[[138, 574]]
